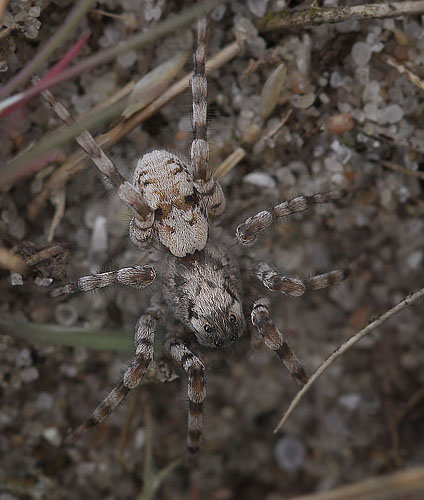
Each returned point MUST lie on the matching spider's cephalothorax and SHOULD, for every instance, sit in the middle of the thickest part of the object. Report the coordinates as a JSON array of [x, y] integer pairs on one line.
[[204, 291], [172, 200]]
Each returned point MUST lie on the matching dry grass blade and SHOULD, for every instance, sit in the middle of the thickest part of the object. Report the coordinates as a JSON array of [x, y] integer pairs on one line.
[[61, 35], [404, 303], [75, 163], [317, 15], [394, 486]]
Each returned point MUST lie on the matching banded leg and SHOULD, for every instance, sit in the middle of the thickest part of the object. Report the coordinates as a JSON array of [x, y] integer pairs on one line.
[[194, 367], [274, 339], [295, 287], [206, 186], [127, 192], [247, 232], [143, 340], [137, 277]]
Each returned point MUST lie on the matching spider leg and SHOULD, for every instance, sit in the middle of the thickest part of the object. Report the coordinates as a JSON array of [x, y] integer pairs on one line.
[[136, 277], [207, 187], [143, 340], [274, 339], [126, 191], [247, 232], [195, 368], [296, 287]]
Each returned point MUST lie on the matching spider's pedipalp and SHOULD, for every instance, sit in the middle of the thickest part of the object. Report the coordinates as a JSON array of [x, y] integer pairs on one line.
[[195, 368], [247, 232], [274, 340]]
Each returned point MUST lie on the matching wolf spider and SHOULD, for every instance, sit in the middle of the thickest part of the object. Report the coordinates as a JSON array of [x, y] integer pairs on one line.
[[172, 201]]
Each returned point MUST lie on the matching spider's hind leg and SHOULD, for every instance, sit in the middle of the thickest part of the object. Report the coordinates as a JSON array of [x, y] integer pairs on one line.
[[143, 340]]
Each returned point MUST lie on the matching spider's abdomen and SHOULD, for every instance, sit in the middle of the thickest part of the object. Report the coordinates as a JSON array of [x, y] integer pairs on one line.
[[166, 184]]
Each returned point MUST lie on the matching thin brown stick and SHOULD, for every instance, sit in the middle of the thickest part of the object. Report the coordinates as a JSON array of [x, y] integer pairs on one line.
[[75, 162], [11, 261], [403, 170], [229, 163], [403, 70], [404, 303], [397, 485], [45, 254], [321, 15]]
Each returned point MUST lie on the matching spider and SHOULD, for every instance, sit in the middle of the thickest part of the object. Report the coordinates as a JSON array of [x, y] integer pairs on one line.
[[173, 202]]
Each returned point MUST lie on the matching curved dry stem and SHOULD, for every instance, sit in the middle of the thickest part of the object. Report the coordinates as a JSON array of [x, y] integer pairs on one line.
[[322, 15], [403, 304]]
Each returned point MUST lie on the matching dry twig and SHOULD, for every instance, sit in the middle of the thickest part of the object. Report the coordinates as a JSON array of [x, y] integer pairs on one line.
[[75, 162], [394, 486], [321, 15], [229, 163], [404, 303], [403, 70], [403, 170]]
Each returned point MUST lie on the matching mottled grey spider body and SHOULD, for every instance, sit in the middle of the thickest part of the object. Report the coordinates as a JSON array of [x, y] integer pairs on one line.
[[172, 201]]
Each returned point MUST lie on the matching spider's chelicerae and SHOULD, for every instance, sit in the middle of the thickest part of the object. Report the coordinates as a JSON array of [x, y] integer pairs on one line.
[[173, 201]]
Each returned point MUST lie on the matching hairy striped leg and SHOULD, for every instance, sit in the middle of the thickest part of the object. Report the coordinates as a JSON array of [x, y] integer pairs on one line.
[[137, 277], [274, 339], [206, 186], [247, 232], [194, 367], [296, 287], [143, 340], [144, 215]]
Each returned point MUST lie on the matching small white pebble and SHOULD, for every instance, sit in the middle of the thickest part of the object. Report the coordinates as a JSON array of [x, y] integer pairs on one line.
[[414, 259], [350, 401], [361, 53], [290, 454], [43, 281], [99, 239], [16, 279], [29, 374], [51, 434], [392, 114], [66, 314], [260, 179]]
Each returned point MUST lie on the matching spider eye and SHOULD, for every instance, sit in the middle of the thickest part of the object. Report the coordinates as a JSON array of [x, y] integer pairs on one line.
[[233, 319], [208, 329]]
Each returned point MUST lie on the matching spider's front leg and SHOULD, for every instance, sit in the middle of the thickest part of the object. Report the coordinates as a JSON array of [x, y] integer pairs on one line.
[[295, 287], [143, 340], [194, 367], [247, 232], [274, 339], [136, 277]]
